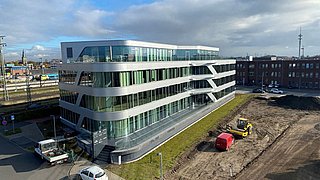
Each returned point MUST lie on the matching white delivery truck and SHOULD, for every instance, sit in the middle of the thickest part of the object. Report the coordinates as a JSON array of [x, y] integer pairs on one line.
[[48, 150]]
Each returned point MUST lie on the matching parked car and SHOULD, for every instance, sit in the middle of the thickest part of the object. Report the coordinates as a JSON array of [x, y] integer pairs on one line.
[[258, 90], [224, 141], [93, 173], [276, 91]]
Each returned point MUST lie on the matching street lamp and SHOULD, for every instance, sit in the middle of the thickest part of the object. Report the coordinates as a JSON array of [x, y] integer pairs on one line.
[[54, 128], [161, 174]]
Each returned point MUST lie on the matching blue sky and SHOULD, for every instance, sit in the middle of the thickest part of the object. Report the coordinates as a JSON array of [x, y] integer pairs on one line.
[[237, 27]]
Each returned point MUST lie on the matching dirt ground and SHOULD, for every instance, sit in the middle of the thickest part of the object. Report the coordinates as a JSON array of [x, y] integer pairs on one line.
[[295, 156], [272, 124]]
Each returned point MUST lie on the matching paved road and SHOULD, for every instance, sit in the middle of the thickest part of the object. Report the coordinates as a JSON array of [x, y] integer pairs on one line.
[[16, 164], [296, 92]]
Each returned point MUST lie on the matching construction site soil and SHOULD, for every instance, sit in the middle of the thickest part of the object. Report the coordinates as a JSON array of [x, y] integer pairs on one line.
[[298, 102], [271, 120]]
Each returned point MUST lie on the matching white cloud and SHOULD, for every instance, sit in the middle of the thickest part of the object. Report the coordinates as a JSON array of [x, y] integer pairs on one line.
[[38, 48], [90, 22], [237, 26]]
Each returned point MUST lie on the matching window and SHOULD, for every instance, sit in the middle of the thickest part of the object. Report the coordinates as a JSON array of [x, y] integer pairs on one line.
[[69, 52], [85, 173], [90, 175]]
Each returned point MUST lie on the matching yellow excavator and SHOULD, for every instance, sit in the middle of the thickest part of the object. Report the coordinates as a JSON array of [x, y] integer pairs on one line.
[[243, 129]]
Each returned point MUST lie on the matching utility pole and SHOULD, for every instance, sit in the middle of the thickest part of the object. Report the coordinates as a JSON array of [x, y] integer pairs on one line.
[[42, 70], [25, 62], [161, 171], [5, 91], [300, 39], [262, 81], [54, 128]]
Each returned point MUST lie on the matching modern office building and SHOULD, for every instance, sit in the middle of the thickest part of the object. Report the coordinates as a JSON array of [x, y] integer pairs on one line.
[[282, 71], [126, 97]]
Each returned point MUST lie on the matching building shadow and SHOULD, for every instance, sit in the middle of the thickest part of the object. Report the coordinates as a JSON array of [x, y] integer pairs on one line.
[[206, 146], [310, 171], [23, 162]]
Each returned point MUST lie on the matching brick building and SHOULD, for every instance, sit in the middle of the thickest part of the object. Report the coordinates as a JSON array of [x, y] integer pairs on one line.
[[285, 72]]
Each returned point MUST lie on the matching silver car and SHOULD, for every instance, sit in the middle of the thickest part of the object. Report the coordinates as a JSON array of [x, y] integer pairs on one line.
[[93, 173]]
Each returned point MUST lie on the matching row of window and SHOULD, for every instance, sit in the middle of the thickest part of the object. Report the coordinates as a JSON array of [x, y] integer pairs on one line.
[[272, 74], [68, 96], [119, 103], [224, 68], [261, 66], [68, 77], [117, 129], [304, 65], [224, 80], [127, 78], [278, 65], [69, 115], [303, 84], [121, 128], [137, 54], [124, 127], [224, 92], [303, 75]]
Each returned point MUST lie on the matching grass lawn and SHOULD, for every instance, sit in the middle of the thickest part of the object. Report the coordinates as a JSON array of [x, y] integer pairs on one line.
[[148, 167]]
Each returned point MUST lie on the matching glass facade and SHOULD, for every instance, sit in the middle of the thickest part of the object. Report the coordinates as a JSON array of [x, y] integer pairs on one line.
[[139, 54], [119, 103], [95, 54], [224, 68], [128, 78], [68, 96], [224, 80], [68, 77], [69, 115], [224, 92], [124, 127]]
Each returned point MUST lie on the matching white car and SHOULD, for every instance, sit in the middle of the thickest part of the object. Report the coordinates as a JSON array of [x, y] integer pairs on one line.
[[276, 91], [93, 173]]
